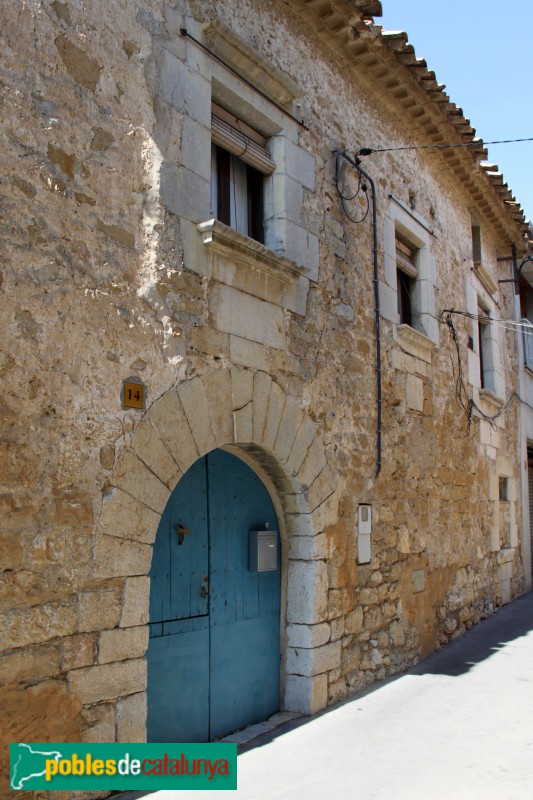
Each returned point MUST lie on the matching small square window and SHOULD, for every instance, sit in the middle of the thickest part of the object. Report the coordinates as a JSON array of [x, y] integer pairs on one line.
[[504, 488]]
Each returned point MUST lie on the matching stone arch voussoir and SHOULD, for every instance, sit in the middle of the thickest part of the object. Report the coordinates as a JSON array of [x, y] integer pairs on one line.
[[242, 410]]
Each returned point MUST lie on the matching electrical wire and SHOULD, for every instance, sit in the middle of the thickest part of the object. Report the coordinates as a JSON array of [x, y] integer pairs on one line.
[[466, 402], [367, 151], [361, 187]]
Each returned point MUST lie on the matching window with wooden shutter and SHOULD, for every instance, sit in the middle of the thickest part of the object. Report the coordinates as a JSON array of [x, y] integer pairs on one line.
[[239, 163], [407, 273]]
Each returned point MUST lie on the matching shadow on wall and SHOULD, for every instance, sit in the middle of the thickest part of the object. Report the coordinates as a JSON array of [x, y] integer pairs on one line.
[[457, 658]]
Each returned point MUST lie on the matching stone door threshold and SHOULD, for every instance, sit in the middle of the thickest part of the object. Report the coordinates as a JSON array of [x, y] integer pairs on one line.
[[246, 735]]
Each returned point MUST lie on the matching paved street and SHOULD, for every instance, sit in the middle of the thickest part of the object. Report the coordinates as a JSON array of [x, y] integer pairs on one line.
[[459, 726]]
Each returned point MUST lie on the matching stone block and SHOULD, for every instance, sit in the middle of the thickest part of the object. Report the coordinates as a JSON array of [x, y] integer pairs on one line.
[[294, 161], [403, 361], [313, 464], [337, 690], [135, 609], [248, 354], [99, 723], [196, 147], [195, 404], [326, 512], [153, 452], [125, 517], [298, 523], [337, 628], [308, 636], [108, 681], [243, 424], [286, 198], [241, 314], [302, 661], [484, 433], [308, 548], [305, 437], [206, 340], [185, 193], [415, 393], [297, 244], [122, 643], [195, 257], [131, 718], [262, 384], [78, 651], [322, 487], [135, 479], [307, 596], [185, 89], [169, 418], [288, 428], [388, 300], [351, 659], [29, 665], [306, 695], [338, 602], [99, 609], [242, 387], [26, 626], [276, 403], [218, 391], [120, 557], [397, 634]]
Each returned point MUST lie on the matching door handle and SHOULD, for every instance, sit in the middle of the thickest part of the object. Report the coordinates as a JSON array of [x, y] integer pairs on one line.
[[203, 592], [182, 531]]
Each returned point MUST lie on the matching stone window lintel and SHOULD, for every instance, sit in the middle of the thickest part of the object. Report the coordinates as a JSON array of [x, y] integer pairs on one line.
[[246, 60], [486, 279]]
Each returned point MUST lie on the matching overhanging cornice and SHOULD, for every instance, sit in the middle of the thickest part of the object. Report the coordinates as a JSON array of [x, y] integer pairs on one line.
[[386, 61]]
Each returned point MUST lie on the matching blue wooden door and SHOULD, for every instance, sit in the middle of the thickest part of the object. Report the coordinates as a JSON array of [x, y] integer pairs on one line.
[[213, 657]]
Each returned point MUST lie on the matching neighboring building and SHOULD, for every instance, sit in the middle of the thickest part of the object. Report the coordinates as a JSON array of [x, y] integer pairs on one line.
[[523, 290], [172, 217]]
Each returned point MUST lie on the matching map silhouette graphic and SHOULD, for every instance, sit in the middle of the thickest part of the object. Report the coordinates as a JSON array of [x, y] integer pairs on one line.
[[30, 764]]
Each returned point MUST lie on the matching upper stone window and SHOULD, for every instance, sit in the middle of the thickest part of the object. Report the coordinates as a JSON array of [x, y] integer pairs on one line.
[[407, 290], [239, 162], [407, 274]]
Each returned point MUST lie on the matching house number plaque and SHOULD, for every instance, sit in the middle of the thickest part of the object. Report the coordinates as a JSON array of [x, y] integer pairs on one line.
[[133, 394]]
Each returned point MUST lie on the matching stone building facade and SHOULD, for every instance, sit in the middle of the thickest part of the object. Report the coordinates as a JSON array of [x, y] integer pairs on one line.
[[116, 265]]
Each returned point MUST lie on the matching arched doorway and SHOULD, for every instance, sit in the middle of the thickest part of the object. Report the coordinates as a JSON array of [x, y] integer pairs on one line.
[[214, 651]]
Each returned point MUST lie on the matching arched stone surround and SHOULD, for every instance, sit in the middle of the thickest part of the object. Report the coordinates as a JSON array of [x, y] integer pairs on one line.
[[246, 412]]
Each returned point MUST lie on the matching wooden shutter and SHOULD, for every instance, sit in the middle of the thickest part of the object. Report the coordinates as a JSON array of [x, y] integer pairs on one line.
[[405, 258], [241, 145]]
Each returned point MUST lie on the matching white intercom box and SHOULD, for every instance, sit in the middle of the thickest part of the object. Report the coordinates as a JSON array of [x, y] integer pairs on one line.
[[364, 533]]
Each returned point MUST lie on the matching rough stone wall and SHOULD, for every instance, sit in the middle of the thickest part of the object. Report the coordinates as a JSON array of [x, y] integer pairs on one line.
[[98, 283]]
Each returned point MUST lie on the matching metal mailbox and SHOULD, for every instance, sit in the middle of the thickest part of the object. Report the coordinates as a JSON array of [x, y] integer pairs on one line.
[[262, 551]]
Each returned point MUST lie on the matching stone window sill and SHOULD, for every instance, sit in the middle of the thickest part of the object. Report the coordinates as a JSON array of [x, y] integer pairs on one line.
[[415, 343], [491, 398], [227, 241]]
